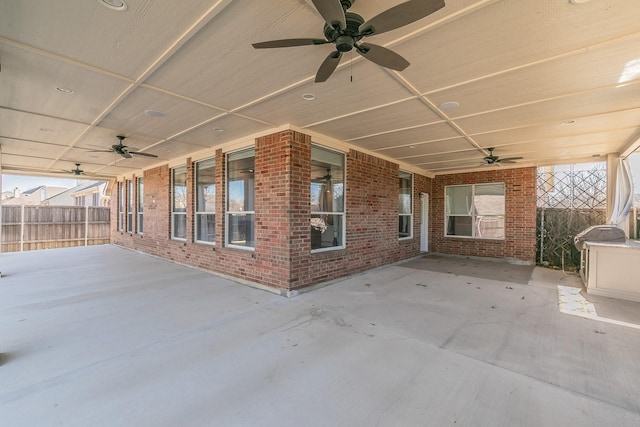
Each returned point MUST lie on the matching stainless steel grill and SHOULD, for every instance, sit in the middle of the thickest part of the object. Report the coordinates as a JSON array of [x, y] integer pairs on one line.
[[599, 233]]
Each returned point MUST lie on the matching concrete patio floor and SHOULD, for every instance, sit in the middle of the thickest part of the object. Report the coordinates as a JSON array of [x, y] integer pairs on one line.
[[102, 336]]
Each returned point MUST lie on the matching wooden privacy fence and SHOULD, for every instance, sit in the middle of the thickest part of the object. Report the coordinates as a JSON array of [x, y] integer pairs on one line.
[[27, 228]]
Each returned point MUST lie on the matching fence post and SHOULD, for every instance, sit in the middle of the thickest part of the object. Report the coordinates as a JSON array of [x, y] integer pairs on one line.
[[86, 225], [541, 234], [22, 228]]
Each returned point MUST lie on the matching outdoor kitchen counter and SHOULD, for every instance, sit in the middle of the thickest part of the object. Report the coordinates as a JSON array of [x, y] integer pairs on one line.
[[612, 269]]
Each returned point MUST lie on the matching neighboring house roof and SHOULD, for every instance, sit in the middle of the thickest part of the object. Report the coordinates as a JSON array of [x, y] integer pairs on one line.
[[80, 189], [67, 196], [32, 196], [33, 190]]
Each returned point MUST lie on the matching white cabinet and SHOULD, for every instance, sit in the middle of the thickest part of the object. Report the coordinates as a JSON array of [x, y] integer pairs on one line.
[[612, 269]]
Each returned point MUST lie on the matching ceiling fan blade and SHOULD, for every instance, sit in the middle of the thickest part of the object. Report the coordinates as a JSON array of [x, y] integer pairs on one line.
[[332, 12], [383, 56], [125, 154], [328, 66], [400, 15], [510, 159], [288, 43], [137, 153]]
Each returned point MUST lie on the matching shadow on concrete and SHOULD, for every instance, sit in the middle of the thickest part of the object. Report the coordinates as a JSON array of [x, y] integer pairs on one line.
[[493, 270]]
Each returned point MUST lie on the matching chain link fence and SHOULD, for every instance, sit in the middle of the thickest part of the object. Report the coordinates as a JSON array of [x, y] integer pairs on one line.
[[568, 201]]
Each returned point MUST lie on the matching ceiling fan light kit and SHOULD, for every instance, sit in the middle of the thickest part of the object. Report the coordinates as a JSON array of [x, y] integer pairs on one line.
[[346, 29]]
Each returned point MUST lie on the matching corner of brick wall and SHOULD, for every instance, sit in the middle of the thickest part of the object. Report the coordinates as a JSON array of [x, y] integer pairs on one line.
[[282, 258]]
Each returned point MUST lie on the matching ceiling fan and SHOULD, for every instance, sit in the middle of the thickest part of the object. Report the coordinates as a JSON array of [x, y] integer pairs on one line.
[[346, 29], [121, 149], [326, 177], [77, 171], [492, 160]]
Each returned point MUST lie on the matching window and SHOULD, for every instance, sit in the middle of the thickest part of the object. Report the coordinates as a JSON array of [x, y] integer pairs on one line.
[[95, 199], [179, 203], [327, 199], [120, 206], [240, 195], [129, 206], [475, 210], [405, 205], [206, 201], [140, 205]]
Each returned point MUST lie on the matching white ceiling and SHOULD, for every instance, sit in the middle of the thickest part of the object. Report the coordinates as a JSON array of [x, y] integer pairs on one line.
[[546, 80]]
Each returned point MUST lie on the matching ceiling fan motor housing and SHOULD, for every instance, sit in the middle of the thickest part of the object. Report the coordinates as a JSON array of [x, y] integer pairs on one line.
[[345, 40]]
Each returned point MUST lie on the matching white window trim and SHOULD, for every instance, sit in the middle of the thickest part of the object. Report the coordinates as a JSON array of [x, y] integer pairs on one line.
[[130, 205], [179, 239], [473, 213], [120, 206], [410, 236], [227, 212], [197, 213], [343, 214], [139, 203]]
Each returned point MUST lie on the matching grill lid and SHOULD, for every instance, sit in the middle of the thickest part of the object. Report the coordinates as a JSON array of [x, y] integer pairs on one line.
[[599, 233]]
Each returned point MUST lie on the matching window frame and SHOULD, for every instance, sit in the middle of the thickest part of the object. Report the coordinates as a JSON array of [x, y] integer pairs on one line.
[[120, 222], [198, 214], [341, 214], [173, 203], [140, 205], [411, 205], [129, 199], [473, 215], [227, 212]]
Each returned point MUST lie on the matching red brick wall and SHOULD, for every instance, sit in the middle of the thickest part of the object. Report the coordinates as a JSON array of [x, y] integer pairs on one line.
[[282, 258], [371, 221], [520, 218]]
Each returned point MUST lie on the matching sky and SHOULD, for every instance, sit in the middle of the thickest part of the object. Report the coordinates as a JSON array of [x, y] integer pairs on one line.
[[9, 182]]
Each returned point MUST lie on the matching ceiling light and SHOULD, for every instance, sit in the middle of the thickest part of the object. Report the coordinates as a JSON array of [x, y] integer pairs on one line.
[[450, 105], [308, 96], [154, 113], [579, 1], [118, 5], [64, 89], [218, 130], [412, 146]]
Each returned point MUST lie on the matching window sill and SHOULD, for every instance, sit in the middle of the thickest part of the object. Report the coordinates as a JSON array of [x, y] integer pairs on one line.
[[329, 249], [493, 239], [241, 248]]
